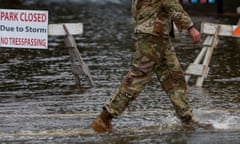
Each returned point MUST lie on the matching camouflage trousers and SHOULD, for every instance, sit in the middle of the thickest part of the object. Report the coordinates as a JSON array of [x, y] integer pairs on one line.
[[153, 55]]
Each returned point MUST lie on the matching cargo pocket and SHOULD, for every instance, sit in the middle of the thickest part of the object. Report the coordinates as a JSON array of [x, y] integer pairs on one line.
[[158, 28]]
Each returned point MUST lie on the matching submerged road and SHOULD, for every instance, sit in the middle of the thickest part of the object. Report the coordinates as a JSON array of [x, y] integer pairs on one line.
[[40, 104]]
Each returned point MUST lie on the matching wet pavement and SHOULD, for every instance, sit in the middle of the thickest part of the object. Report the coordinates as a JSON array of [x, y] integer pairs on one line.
[[40, 104]]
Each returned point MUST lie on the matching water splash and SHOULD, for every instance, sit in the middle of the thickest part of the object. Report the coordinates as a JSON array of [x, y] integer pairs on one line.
[[224, 119]]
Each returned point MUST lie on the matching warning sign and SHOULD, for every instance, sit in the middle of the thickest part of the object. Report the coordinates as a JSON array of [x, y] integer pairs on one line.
[[23, 29]]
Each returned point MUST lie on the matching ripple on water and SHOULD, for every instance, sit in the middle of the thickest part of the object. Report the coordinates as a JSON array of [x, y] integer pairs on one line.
[[40, 104]]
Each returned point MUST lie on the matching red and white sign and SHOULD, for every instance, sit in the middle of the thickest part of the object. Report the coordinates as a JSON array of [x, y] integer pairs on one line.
[[24, 29]]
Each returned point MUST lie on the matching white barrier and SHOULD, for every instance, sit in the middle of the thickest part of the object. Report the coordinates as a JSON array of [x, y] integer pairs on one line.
[[200, 66], [58, 30], [79, 68], [226, 30]]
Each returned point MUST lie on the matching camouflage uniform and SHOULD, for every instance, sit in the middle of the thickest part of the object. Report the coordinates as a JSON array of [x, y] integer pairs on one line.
[[154, 53]]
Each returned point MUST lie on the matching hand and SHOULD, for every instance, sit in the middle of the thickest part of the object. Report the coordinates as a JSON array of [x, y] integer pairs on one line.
[[194, 33]]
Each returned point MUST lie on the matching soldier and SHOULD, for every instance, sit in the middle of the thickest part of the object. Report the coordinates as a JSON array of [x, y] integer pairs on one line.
[[154, 53]]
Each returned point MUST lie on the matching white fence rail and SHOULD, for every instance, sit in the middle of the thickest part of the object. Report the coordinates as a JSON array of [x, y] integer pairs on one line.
[[200, 66]]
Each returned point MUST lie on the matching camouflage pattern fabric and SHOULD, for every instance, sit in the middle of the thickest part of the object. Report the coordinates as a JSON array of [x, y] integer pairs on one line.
[[154, 54], [155, 16]]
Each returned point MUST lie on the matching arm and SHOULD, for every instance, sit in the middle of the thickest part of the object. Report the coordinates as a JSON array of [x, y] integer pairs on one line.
[[177, 14], [181, 18]]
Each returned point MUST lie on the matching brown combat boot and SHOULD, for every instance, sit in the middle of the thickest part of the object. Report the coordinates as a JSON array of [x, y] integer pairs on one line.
[[102, 123], [191, 124]]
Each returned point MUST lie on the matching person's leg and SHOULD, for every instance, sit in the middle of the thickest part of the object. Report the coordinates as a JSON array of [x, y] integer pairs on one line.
[[136, 79], [171, 77], [134, 82], [129, 89]]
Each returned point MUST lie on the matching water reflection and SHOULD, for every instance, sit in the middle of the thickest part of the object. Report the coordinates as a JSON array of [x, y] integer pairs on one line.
[[40, 104]]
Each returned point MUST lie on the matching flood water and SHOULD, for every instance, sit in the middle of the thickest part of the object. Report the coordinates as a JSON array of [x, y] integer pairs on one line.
[[40, 104]]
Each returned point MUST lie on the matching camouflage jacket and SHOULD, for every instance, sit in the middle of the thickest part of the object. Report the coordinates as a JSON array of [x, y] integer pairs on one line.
[[155, 16]]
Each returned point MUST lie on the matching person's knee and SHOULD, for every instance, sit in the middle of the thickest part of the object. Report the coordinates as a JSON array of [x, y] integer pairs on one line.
[[173, 80]]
